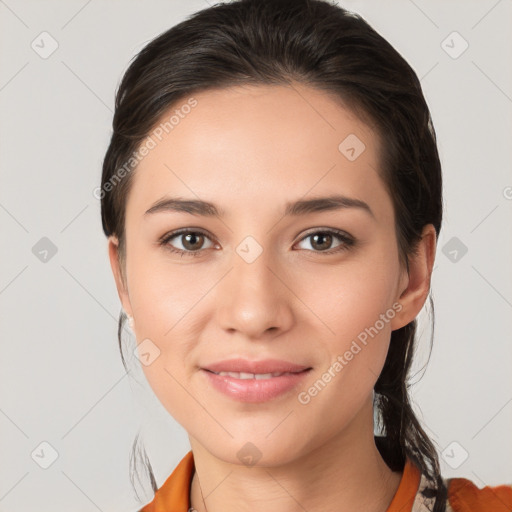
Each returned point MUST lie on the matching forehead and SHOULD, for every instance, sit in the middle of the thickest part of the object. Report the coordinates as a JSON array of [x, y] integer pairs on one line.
[[241, 145]]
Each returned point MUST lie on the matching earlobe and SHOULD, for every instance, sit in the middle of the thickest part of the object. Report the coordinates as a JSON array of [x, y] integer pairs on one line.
[[417, 287], [115, 264]]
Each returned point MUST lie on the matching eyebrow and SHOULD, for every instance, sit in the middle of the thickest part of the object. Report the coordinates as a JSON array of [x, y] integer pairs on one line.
[[295, 208]]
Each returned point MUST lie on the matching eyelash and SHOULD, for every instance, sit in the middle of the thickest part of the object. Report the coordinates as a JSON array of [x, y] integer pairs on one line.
[[347, 241]]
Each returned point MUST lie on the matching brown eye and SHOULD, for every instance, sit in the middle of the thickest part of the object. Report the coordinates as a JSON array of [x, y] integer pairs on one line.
[[321, 241], [192, 241], [189, 242]]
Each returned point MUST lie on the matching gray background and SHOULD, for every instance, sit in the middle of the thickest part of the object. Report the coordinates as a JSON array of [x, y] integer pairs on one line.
[[61, 377]]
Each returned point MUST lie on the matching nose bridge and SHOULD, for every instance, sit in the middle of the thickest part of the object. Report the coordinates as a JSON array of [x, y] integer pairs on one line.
[[251, 267], [252, 298]]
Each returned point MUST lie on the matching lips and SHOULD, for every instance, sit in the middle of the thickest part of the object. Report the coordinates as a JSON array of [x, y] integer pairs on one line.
[[247, 375], [255, 381], [263, 367]]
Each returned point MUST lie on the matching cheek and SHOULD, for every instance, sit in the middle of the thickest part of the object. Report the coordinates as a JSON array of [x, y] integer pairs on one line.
[[162, 292], [171, 367], [359, 311], [352, 297], [356, 304], [163, 298]]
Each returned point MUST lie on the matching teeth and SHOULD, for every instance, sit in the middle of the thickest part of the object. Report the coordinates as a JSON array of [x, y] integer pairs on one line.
[[265, 375], [258, 376]]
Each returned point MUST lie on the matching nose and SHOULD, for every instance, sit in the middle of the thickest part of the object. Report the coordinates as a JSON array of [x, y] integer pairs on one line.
[[254, 298]]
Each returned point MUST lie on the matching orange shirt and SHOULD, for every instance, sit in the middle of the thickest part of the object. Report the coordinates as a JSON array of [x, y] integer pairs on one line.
[[463, 495]]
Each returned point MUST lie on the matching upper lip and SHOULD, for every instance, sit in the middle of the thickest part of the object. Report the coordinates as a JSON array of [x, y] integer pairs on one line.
[[247, 366]]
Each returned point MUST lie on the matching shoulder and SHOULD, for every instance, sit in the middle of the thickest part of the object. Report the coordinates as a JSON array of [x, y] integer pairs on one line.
[[465, 496], [174, 494]]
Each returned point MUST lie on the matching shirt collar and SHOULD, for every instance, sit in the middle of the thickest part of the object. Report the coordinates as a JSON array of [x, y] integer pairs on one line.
[[174, 494]]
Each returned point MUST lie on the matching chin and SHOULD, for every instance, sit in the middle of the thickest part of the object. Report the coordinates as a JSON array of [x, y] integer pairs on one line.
[[253, 450]]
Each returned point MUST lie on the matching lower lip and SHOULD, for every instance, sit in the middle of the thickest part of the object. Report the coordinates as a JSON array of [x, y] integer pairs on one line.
[[255, 390]]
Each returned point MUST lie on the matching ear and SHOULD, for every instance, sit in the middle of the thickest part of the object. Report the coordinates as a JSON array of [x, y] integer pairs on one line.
[[122, 290], [415, 285]]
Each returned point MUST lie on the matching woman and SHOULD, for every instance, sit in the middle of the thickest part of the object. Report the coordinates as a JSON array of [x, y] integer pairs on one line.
[[272, 197]]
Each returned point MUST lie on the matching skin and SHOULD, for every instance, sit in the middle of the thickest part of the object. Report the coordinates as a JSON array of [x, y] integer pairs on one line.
[[249, 150]]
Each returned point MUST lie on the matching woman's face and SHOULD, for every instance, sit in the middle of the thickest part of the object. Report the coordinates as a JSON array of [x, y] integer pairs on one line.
[[263, 279]]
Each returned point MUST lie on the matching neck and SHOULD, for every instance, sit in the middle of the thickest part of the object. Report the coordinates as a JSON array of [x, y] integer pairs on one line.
[[345, 474]]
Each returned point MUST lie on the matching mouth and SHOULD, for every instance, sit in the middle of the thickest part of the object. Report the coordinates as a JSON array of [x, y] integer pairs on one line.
[[254, 387], [257, 376], [247, 367]]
